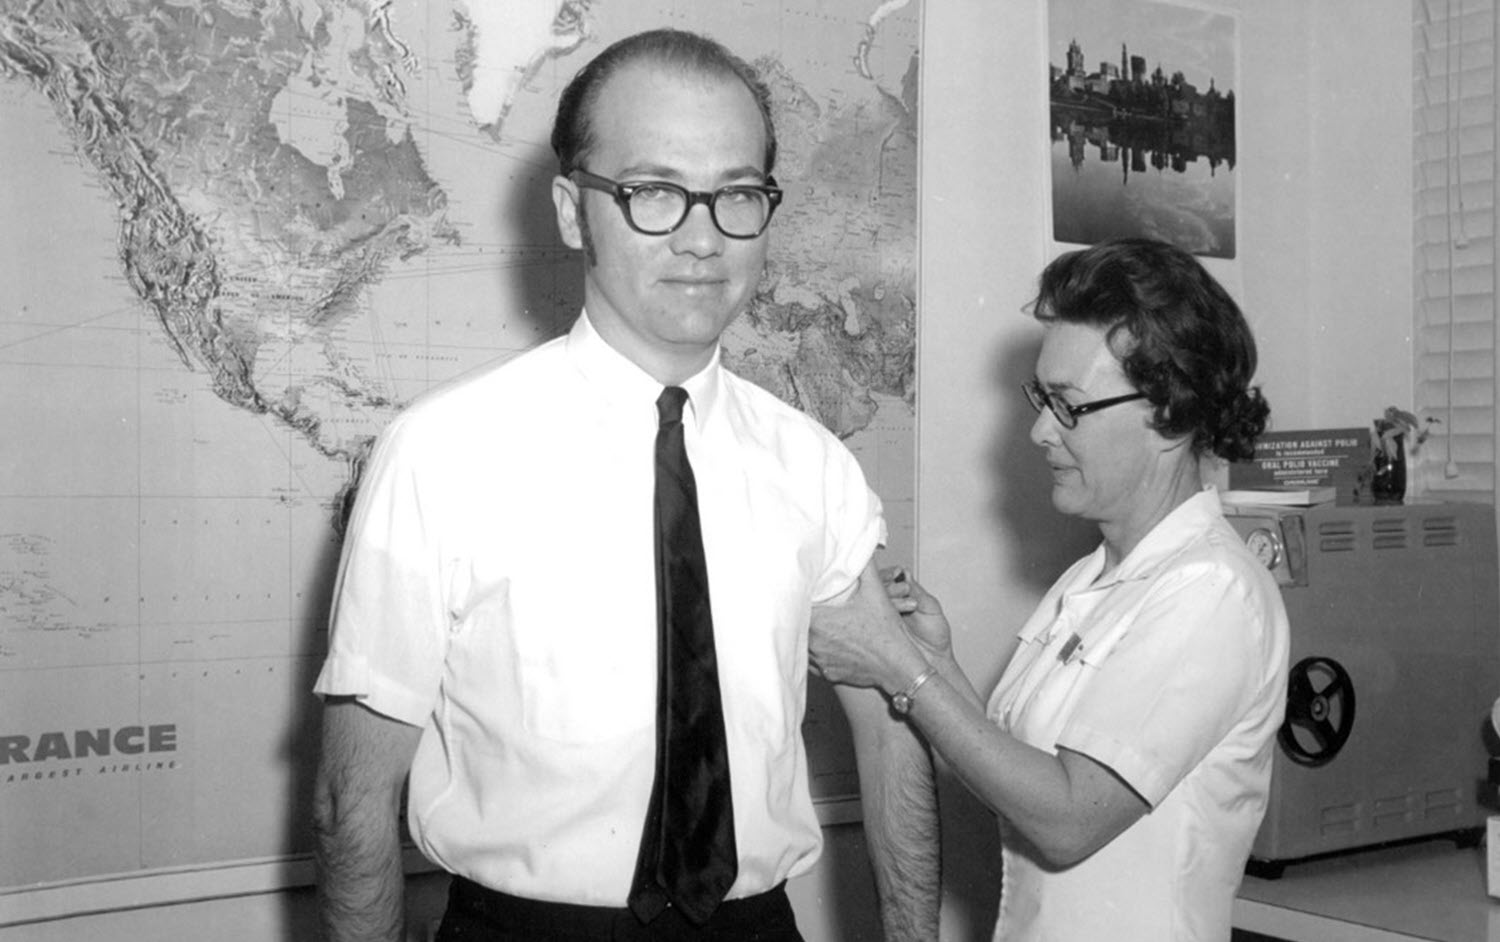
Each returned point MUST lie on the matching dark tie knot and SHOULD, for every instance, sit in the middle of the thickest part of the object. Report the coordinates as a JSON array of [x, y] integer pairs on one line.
[[669, 405]]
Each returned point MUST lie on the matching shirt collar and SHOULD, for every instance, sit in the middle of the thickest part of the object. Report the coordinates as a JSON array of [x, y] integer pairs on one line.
[[1166, 539], [620, 380], [1158, 548]]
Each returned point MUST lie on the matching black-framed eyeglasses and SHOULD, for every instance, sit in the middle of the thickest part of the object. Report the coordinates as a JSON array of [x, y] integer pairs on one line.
[[1066, 414], [656, 207]]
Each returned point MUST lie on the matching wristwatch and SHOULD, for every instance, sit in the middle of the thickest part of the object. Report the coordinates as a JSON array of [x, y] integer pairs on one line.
[[901, 702]]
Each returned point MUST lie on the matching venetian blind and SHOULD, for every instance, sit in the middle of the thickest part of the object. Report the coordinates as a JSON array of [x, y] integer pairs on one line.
[[1454, 241]]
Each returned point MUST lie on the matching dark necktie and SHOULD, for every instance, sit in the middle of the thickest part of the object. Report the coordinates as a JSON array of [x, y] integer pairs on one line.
[[687, 857]]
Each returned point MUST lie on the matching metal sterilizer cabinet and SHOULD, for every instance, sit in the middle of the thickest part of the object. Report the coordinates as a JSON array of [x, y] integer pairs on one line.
[[1395, 663]]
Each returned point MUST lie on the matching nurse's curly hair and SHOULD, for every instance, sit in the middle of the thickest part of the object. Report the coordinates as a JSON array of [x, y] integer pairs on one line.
[[1179, 336]]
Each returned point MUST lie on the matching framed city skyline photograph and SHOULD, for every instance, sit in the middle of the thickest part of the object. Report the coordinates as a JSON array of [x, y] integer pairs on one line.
[[1142, 105]]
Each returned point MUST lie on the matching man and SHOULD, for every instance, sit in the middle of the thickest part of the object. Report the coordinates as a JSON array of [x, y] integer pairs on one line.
[[495, 624]]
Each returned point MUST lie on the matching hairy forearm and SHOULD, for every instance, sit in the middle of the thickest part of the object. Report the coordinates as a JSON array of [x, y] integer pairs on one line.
[[360, 881], [902, 828], [900, 816]]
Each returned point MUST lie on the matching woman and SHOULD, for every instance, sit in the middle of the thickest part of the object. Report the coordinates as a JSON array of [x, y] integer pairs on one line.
[[1127, 747]]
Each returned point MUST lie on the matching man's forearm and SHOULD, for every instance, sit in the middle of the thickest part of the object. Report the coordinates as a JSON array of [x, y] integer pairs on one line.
[[899, 800], [901, 825], [361, 885], [356, 815]]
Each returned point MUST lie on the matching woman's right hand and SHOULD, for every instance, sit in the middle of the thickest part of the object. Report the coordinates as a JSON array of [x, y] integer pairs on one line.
[[921, 612]]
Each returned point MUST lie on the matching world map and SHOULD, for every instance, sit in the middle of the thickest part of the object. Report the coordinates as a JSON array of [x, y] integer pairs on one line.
[[238, 236]]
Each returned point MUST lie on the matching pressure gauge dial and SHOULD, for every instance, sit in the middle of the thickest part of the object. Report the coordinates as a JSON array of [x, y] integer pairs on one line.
[[1265, 545]]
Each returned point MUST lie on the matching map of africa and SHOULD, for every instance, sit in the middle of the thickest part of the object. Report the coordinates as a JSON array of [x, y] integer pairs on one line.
[[238, 236]]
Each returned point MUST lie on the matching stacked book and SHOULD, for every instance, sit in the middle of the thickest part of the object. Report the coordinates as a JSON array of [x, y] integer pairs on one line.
[[1281, 497]]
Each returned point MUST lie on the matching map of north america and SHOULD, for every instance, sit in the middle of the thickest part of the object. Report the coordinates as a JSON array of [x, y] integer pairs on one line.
[[269, 166]]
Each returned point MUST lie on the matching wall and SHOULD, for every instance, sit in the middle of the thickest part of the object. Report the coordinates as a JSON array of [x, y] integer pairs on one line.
[[1323, 274]]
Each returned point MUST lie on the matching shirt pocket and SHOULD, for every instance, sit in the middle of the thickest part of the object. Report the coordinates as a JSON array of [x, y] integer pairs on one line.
[[584, 672], [1060, 676], [575, 637]]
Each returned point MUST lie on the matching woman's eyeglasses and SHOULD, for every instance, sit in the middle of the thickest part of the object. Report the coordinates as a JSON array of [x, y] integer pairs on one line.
[[1067, 415]]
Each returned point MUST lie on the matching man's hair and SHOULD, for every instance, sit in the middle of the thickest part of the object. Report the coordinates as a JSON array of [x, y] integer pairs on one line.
[[573, 129], [1179, 336]]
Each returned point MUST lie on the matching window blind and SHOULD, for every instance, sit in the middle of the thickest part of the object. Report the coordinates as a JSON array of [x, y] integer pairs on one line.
[[1454, 340]]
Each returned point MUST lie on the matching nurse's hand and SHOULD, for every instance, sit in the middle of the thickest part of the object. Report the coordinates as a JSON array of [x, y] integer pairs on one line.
[[922, 613], [862, 641]]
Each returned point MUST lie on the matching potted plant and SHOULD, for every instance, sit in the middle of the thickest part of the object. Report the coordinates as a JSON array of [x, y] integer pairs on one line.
[[1392, 433]]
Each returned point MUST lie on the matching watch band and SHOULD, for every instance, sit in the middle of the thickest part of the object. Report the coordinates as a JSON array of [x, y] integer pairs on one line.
[[901, 702]]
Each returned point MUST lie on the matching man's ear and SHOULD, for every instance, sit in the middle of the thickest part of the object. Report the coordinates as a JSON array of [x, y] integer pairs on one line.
[[565, 197]]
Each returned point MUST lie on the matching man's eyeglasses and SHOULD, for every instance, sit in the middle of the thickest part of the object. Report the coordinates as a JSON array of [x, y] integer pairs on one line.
[[656, 207], [1067, 415]]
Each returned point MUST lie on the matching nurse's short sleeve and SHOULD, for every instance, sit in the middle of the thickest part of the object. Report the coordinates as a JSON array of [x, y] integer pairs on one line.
[[1177, 682], [389, 626]]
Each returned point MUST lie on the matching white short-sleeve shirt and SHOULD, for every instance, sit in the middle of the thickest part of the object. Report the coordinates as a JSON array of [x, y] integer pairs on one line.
[[497, 589], [1171, 671]]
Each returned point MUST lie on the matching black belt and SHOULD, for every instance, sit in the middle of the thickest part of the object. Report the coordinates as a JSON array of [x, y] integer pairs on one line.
[[759, 916]]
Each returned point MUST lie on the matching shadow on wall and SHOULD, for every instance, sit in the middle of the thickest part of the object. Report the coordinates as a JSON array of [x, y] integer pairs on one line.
[[971, 863], [544, 283], [1041, 543], [300, 743]]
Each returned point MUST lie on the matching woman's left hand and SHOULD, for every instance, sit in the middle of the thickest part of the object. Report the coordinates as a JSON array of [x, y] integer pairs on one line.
[[862, 642]]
